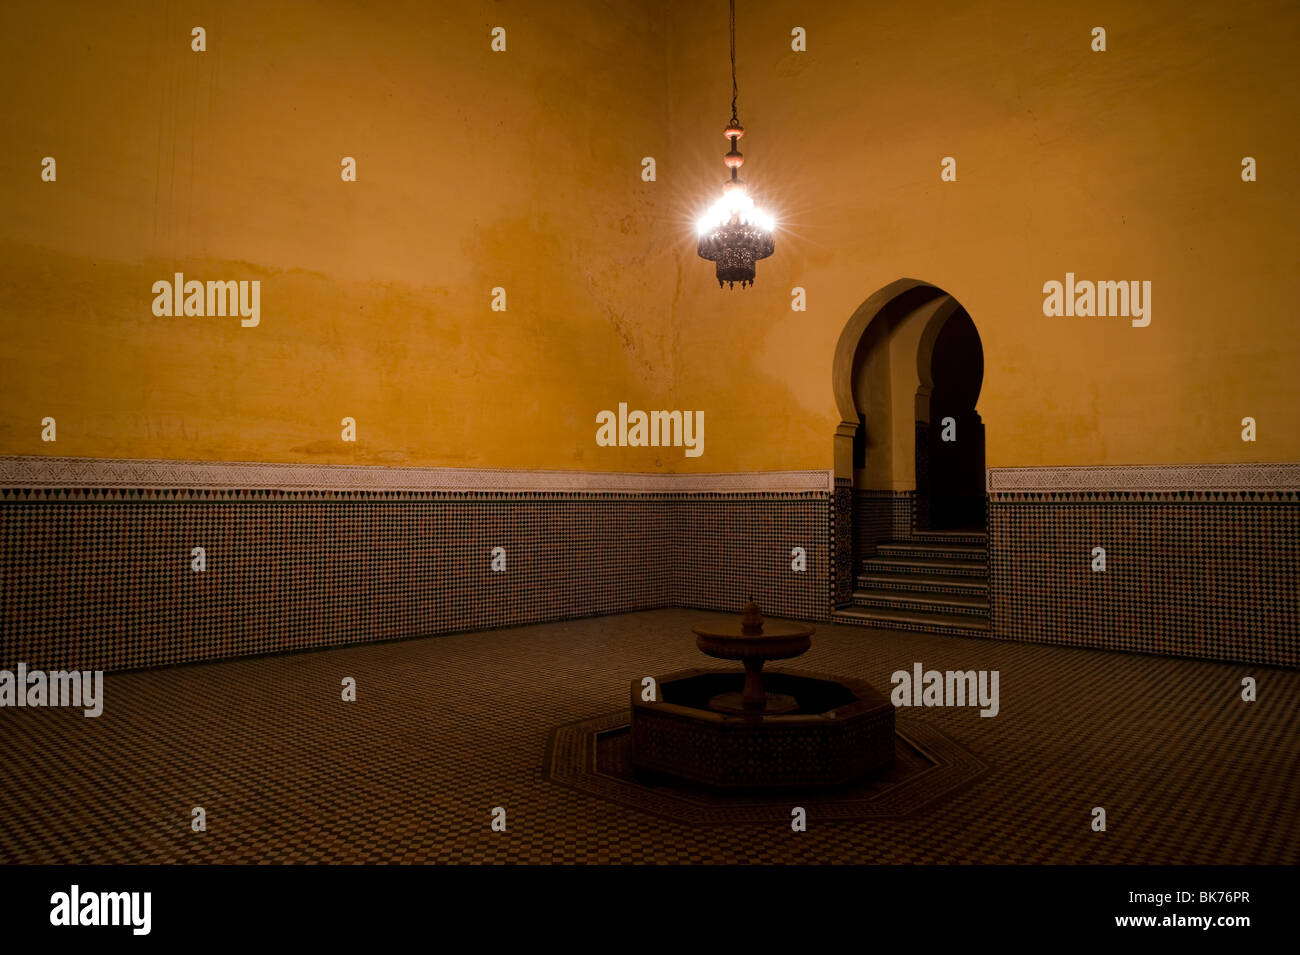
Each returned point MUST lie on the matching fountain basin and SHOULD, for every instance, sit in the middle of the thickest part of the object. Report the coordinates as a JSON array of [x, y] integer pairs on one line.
[[839, 730]]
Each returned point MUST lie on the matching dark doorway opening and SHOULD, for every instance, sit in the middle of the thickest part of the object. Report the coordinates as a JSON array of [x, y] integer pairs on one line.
[[954, 440]]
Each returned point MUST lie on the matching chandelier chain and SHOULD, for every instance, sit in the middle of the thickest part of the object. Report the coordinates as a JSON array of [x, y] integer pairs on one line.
[[734, 91], [735, 234]]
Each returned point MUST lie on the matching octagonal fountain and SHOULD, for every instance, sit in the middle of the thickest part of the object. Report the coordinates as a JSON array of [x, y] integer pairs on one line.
[[730, 729]]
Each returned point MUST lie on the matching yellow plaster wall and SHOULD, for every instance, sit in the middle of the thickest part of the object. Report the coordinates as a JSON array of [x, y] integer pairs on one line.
[[522, 169], [475, 170], [873, 394], [1115, 165]]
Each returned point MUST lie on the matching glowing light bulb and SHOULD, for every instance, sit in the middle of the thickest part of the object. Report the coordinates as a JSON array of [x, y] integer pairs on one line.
[[734, 206]]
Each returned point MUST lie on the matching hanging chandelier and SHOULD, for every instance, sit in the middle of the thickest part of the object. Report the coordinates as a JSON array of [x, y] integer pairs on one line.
[[735, 233]]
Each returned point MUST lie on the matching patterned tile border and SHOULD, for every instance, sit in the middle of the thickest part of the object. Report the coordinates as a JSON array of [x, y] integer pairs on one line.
[[841, 582], [103, 581], [1194, 569], [1197, 578], [1179, 479], [29, 473], [42, 472], [938, 768]]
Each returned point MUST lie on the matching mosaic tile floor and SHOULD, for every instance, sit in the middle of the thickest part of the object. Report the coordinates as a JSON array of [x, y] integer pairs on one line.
[[446, 728]]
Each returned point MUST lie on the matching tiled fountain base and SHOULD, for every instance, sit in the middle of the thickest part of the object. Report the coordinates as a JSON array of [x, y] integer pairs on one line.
[[594, 756]]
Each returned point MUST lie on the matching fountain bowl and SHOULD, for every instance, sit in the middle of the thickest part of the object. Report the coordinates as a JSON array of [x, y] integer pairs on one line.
[[838, 731]]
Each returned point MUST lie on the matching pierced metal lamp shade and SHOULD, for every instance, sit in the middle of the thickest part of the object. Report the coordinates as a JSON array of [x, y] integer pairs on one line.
[[734, 234], [736, 247]]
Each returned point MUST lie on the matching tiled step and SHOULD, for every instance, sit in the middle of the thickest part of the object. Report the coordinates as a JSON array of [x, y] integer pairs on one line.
[[931, 550], [922, 583], [953, 537], [919, 565], [911, 620], [935, 582], [964, 604]]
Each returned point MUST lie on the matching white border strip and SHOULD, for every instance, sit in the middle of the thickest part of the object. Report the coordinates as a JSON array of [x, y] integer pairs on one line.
[[1153, 477], [58, 472]]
